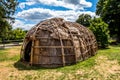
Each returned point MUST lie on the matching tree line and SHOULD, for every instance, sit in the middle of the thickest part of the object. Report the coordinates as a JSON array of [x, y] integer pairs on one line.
[[15, 34]]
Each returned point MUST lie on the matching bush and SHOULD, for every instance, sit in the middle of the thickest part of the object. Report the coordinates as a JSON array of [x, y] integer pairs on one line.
[[17, 34], [101, 31]]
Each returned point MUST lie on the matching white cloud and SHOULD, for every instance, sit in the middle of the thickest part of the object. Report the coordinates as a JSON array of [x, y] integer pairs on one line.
[[79, 4], [39, 14], [21, 24], [23, 4], [36, 15], [70, 4]]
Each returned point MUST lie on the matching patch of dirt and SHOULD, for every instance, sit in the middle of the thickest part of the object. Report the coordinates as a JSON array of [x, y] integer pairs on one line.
[[5, 64], [5, 69], [107, 67], [13, 74], [79, 72], [51, 75], [9, 72]]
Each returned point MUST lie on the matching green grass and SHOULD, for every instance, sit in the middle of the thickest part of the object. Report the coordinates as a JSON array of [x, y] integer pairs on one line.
[[113, 53], [105, 65], [4, 55]]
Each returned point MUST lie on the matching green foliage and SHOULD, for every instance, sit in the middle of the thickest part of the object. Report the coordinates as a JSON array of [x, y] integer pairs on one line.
[[4, 31], [109, 11], [100, 29], [7, 9], [17, 34], [84, 19]]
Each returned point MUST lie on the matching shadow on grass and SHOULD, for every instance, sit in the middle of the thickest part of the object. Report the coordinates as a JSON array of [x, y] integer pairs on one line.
[[88, 63], [25, 66], [104, 48], [118, 45]]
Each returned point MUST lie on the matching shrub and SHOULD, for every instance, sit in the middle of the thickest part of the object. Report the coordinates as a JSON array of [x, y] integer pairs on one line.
[[101, 31]]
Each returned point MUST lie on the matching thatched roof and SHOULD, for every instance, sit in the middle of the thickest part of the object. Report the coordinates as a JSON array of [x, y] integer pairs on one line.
[[59, 28]]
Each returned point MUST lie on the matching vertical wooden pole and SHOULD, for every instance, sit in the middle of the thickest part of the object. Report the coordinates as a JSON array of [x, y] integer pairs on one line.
[[62, 49], [63, 55], [72, 37], [81, 48], [36, 52], [73, 45]]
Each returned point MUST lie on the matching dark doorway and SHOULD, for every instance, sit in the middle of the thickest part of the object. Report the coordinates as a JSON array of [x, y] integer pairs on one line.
[[27, 51]]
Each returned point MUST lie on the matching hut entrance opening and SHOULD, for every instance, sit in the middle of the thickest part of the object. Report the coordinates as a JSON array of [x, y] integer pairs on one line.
[[27, 51]]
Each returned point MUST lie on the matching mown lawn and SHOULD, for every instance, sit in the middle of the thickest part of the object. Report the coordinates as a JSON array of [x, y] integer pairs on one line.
[[104, 66]]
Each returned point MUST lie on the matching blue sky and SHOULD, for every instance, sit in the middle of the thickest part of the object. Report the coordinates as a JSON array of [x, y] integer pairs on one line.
[[31, 12]]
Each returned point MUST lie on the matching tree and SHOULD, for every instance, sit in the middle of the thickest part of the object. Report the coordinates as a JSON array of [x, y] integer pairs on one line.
[[98, 27], [4, 31], [17, 34], [7, 9], [109, 11], [101, 31], [84, 19]]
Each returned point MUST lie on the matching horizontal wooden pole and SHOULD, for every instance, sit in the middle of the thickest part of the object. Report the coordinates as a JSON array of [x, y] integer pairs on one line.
[[36, 54], [52, 46]]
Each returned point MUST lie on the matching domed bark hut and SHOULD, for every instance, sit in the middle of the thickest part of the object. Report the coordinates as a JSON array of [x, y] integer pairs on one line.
[[55, 42]]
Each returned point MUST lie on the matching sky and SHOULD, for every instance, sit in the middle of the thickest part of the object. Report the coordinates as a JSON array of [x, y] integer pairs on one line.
[[31, 12]]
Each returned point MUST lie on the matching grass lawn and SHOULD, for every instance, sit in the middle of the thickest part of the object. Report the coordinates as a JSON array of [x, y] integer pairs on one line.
[[104, 66]]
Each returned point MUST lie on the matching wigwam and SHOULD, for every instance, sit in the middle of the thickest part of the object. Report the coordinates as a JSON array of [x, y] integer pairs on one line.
[[56, 42]]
